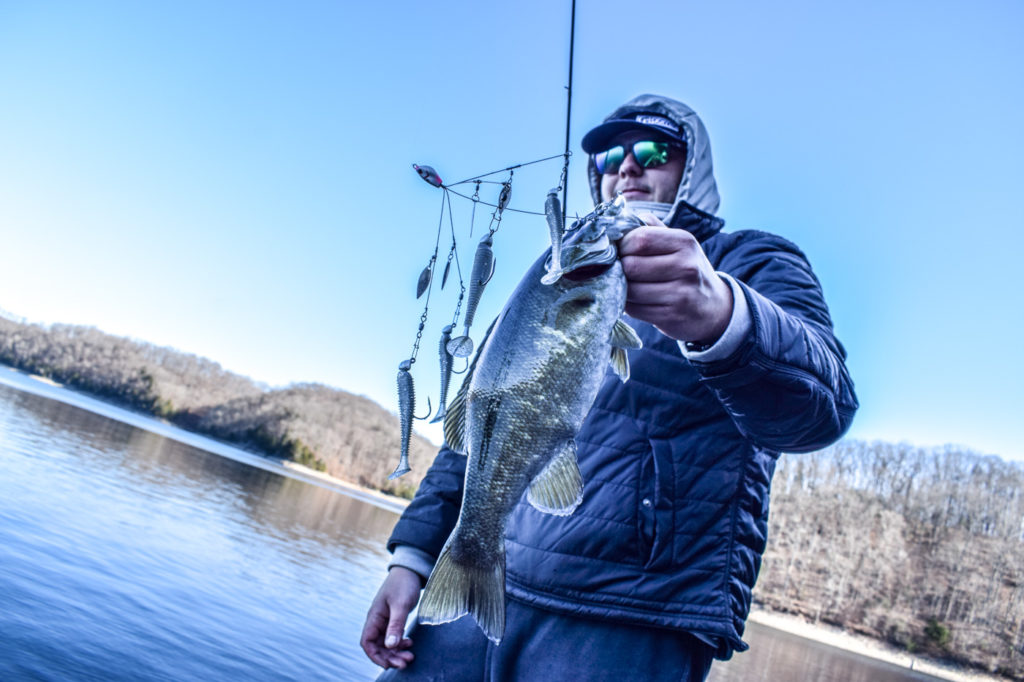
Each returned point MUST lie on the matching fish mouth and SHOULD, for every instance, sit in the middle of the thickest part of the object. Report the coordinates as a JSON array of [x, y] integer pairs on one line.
[[585, 272], [586, 261]]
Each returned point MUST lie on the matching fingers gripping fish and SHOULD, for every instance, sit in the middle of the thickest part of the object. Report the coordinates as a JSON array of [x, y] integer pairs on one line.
[[518, 411]]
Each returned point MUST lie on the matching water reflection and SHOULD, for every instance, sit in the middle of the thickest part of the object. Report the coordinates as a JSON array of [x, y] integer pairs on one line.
[[127, 555], [290, 509]]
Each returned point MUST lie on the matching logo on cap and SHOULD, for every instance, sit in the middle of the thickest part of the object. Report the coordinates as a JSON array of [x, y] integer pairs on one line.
[[660, 121]]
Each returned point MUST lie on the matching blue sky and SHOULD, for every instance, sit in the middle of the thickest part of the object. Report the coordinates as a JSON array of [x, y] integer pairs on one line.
[[233, 179]]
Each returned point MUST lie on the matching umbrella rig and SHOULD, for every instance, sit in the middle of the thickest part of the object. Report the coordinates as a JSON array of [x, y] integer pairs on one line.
[[461, 346]]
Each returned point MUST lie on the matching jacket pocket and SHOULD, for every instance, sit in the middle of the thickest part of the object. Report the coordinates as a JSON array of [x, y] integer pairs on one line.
[[646, 520], [656, 504]]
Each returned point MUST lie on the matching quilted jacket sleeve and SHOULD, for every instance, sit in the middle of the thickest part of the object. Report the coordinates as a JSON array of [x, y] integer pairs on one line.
[[431, 516], [786, 386]]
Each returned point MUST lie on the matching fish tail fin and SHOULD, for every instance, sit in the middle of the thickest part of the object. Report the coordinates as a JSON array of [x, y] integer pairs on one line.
[[454, 590]]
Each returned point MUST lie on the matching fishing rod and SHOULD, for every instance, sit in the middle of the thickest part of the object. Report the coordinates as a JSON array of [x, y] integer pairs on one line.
[[568, 114]]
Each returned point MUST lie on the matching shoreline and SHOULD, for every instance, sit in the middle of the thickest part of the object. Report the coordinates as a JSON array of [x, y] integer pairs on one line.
[[861, 645], [54, 390], [868, 647]]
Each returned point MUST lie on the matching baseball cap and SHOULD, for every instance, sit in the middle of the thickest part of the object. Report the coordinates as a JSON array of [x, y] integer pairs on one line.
[[598, 139]]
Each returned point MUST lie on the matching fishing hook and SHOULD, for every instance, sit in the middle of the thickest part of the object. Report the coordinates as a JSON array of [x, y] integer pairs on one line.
[[429, 408]]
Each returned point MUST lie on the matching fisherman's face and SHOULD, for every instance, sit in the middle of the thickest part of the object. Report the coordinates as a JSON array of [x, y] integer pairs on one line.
[[636, 183]]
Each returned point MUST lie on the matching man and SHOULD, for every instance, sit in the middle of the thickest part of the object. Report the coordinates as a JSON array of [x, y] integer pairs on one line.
[[651, 577]]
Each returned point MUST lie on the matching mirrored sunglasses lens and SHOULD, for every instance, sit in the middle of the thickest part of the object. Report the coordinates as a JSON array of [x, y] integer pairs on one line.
[[610, 160], [651, 154]]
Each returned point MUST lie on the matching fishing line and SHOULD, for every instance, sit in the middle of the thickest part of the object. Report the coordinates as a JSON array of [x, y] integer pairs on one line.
[[476, 200], [426, 281], [510, 210], [458, 268], [502, 170]]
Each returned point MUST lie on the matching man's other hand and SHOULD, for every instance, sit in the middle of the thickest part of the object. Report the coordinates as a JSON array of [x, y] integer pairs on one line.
[[382, 638]]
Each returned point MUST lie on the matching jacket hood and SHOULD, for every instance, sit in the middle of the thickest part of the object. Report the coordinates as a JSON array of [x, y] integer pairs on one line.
[[697, 187]]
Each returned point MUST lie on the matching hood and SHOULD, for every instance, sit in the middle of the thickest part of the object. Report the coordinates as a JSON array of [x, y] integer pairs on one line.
[[697, 188]]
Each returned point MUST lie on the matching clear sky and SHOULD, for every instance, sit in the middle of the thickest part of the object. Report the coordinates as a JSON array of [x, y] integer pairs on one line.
[[233, 179]]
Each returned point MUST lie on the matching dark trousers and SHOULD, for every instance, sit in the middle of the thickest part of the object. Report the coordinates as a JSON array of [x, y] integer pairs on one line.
[[541, 646]]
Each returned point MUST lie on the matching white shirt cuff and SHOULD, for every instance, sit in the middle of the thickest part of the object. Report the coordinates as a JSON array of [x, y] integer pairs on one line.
[[739, 326], [416, 560]]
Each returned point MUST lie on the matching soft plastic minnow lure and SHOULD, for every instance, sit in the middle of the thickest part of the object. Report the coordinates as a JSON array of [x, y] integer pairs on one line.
[[483, 270], [406, 407]]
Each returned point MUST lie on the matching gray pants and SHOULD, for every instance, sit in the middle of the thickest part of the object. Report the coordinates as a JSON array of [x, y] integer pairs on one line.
[[541, 646]]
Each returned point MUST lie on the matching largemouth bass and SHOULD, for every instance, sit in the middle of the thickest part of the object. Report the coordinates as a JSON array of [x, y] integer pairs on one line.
[[518, 411]]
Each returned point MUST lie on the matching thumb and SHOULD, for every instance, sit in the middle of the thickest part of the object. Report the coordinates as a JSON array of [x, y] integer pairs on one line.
[[396, 625]]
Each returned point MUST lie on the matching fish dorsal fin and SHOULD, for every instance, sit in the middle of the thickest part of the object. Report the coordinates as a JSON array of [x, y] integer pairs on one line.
[[558, 488], [455, 418], [620, 363], [624, 336]]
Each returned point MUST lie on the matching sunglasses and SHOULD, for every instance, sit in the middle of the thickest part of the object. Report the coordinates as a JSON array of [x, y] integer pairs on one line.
[[648, 154]]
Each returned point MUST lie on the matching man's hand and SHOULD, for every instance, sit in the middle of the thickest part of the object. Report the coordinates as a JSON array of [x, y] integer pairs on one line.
[[672, 285], [382, 638]]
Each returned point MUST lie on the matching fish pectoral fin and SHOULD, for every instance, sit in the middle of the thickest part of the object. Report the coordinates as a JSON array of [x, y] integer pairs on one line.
[[454, 590], [558, 488], [624, 336], [620, 363]]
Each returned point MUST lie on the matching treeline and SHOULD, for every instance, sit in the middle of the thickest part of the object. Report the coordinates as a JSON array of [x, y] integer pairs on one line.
[[346, 436], [923, 548]]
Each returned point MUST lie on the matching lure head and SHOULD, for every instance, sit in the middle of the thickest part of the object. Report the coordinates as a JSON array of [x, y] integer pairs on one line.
[[589, 246], [428, 174]]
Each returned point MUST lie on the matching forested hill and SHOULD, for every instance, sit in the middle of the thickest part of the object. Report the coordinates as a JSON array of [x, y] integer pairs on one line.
[[923, 548], [347, 436]]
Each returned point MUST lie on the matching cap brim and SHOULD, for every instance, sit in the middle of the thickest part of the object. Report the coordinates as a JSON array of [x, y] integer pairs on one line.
[[600, 138]]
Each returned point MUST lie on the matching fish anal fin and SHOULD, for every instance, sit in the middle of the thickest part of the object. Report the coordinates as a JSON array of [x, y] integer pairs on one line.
[[620, 363], [624, 336], [558, 488], [454, 590]]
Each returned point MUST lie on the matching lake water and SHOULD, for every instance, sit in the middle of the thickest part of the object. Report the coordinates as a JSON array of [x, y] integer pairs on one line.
[[136, 551]]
